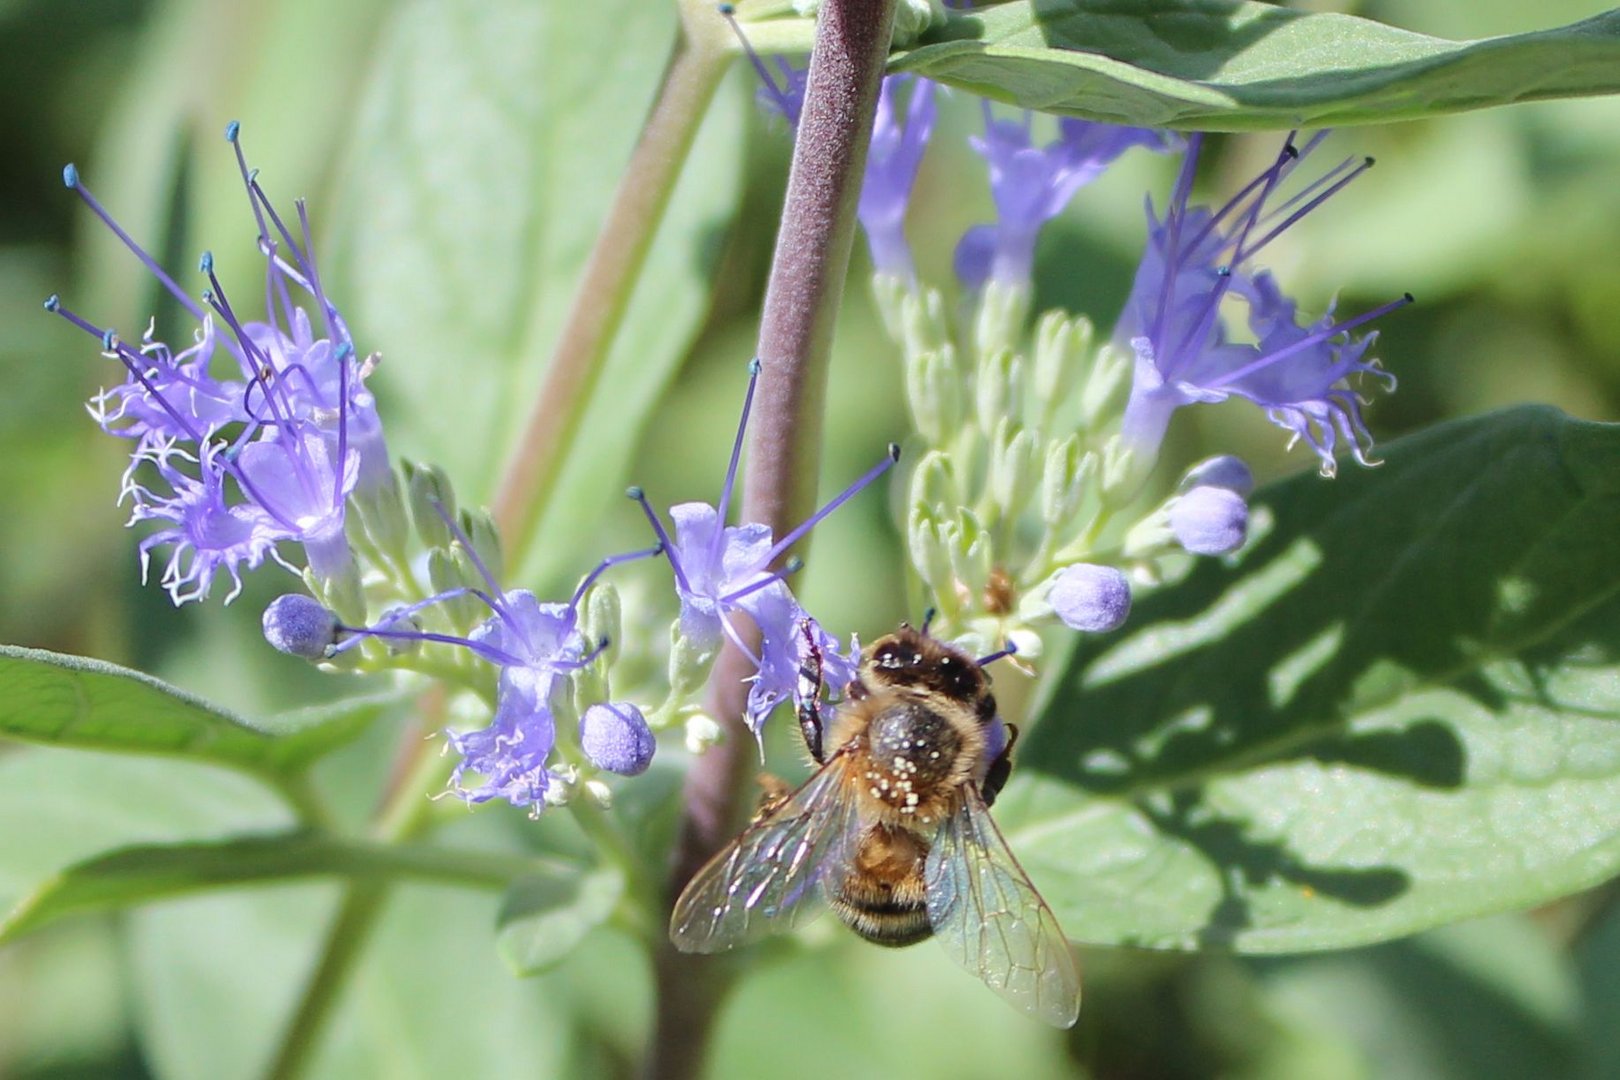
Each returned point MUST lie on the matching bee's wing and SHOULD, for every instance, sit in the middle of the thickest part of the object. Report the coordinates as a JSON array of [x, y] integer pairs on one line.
[[992, 921], [769, 878]]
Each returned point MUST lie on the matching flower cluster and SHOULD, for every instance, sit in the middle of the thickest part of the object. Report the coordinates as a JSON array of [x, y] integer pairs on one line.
[[725, 571], [1073, 429], [552, 662], [229, 467], [261, 435], [1027, 500]]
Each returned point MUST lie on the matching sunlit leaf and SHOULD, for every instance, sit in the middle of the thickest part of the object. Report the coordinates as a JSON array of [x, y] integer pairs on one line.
[[545, 916], [79, 702], [489, 143], [1229, 65], [1396, 709], [136, 875]]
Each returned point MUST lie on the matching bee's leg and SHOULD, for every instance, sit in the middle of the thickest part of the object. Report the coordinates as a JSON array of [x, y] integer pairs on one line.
[[809, 695], [773, 792], [995, 778]]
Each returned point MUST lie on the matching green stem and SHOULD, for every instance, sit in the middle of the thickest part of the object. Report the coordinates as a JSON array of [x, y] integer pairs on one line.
[[406, 813], [615, 264], [345, 940], [311, 810], [602, 829]]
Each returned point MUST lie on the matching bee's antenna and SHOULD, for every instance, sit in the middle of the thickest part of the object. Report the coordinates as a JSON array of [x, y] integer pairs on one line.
[[928, 617], [1010, 650]]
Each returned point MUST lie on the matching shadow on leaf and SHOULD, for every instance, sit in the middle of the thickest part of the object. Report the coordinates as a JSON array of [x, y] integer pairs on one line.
[[1380, 621]]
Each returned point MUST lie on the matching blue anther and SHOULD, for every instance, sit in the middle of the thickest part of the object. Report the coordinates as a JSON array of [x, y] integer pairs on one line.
[[232, 129], [206, 263], [754, 366], [52, 302], [70, 175]]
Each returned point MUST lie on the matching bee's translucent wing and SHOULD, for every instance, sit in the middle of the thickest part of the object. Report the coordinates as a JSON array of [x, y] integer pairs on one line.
[[769, 878], [992, 921]]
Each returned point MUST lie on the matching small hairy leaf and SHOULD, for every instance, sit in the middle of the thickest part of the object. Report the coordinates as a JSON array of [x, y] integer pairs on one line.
[[136, 875], [546, 915], [1226, 65], [1399, 707], [74, 701]]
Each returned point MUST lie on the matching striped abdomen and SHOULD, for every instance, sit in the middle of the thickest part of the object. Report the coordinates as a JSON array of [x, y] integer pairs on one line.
[[882, 895]]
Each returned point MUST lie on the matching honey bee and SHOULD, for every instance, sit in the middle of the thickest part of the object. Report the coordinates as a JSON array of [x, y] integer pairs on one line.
[[893, 832]]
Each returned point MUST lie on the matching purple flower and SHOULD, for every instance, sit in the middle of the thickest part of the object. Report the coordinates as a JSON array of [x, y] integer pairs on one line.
[[791, 643], [1091, 598], [145, 408], [205, 535], [891, 172], [893, 155], [615, 737], [1223, 471], [1209, 520], [1031, 185], [1196, 259], [234, 465], [536, 648], [299, 626], [723, 571]]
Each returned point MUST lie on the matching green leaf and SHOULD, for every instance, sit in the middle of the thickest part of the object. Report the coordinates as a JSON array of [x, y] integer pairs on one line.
[[490, 142], [429, 996], [65, 806], [1218, 65], [136, 875], [545, 916], [75, 701], [1493, 997], [1396, 709]]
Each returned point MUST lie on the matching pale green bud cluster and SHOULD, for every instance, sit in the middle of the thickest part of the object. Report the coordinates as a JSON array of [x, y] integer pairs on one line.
[[1022, 473], [411, 542]]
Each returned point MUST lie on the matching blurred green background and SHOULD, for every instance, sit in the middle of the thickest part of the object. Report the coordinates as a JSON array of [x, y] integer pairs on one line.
[[455, 182]]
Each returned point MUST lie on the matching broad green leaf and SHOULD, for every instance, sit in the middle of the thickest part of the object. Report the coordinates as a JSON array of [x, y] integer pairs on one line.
[[545, 916], [490, 142], [75, 701], [137, 875], [428, 997], [1493, 997], [1397, 708], [66, 806], [1229, 65], [811, 1013]]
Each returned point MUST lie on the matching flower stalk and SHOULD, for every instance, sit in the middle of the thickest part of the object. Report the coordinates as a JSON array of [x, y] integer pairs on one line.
[[801, 307]]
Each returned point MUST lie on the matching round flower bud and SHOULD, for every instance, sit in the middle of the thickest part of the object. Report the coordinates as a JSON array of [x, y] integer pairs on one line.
[[1210, 520], [299, 626], [702, 732], [1224, 471], [615, 736], [1092, 598]]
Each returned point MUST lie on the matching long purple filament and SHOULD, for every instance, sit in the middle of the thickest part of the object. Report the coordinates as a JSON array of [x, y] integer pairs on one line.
[[848, 493]]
